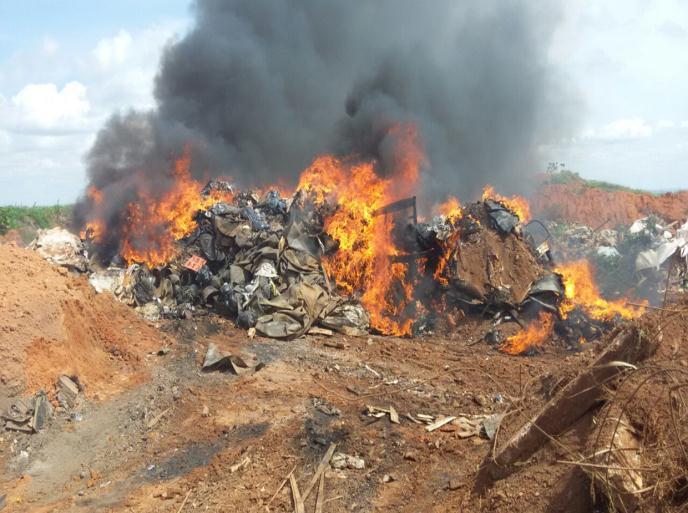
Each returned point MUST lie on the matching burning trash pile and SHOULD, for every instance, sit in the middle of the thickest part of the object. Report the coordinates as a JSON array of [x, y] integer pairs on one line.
[[255, 258], [338, 254]]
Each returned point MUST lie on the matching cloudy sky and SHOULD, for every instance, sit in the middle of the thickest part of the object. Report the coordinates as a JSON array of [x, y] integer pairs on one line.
[[65, 66]]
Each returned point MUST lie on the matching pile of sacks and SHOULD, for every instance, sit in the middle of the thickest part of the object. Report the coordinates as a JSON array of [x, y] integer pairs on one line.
[[256, 259]]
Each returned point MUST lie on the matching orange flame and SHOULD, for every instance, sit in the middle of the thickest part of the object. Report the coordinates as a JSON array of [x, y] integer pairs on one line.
[[95, 228], [516, 204], [450, 209], [94, 231], [362, 263], [581, 290], [534, 336], [95, 195], [154, 225]]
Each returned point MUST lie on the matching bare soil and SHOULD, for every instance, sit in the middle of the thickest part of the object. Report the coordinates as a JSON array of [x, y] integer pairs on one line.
[[592, 206], [120, 458]]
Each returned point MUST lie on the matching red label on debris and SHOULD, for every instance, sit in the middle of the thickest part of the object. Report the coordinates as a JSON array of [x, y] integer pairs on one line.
[[194, 263]]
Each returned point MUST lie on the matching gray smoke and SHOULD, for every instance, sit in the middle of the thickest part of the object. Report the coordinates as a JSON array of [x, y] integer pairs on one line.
[[259, 87]]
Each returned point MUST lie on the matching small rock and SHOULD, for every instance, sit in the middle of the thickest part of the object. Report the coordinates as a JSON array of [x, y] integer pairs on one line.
[[206, 411], [454, 484], [341, 461], [480, 400], [411, 456]]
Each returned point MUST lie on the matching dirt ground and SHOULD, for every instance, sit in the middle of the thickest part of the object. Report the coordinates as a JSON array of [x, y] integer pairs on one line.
[[580, 203], [155, 434]]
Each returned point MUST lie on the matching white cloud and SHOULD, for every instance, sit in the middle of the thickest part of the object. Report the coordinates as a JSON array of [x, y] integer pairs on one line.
[[40, 107], [665, 123], [621, 130], [113, 51], [53, 102]]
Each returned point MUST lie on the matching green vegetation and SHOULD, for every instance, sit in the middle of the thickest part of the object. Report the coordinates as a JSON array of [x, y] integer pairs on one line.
[[28, 219], [564, 176]]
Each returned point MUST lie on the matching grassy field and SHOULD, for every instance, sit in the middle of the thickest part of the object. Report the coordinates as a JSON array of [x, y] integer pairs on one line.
[[26, 220], [566, 177]]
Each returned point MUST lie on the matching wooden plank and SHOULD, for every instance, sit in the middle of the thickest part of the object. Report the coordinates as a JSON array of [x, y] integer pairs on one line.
[[321, 469], [321, 495], [296, 495]]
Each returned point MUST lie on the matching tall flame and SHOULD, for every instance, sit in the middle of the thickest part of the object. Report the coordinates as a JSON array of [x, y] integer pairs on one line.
[[517, 204], [155, 224], [581, 290], [363, 262], [95, 228], [535, 335], [452, 211]]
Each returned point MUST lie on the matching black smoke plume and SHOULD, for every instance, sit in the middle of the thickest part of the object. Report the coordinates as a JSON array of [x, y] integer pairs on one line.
[[257, 88]]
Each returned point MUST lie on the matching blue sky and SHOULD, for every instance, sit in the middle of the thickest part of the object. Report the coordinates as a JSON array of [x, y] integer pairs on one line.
[[23, 24], [66, 66]]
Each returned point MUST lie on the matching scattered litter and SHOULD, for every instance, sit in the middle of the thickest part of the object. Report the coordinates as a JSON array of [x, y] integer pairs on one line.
[[28, 415], [393, 415], [468, 427], [491, 425], [373, 371], [61, 247], [412, 418], [240, 466], [341, 461], [320, 331], [107, 280], [377, 412], [157, 418], [67, 391], [439, 423], [327, 409], [215, 360]]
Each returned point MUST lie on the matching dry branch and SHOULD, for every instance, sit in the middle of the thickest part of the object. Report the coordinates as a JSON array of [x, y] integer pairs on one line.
[[571, 403]]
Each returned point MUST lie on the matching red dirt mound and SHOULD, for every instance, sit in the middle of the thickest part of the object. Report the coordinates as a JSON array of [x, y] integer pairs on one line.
[[592, 206], [53, 323]]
